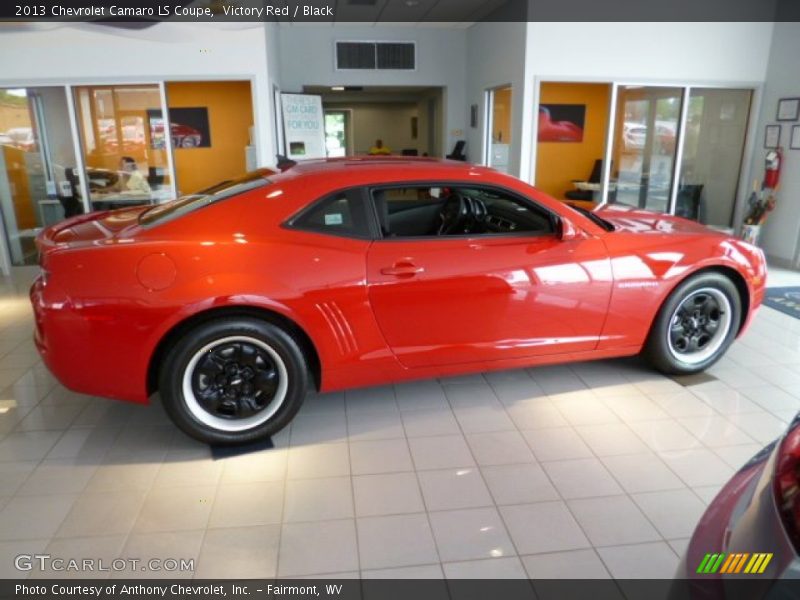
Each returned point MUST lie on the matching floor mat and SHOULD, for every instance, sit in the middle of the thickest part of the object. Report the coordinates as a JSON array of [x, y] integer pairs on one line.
[[784, 299]]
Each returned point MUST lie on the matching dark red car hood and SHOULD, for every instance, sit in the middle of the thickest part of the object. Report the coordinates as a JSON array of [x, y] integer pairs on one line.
[[642, 221]]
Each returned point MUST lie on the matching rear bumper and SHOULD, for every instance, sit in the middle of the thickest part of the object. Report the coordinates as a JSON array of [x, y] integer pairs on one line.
[[77, 351]]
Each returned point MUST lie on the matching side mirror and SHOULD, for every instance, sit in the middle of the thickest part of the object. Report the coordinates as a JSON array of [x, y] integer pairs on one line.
[[567, 230]]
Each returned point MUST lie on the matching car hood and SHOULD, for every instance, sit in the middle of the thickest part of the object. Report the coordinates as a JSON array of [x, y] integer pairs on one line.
[[634, 220]]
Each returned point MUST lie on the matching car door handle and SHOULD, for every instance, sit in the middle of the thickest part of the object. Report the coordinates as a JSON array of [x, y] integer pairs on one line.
[[403, 269]]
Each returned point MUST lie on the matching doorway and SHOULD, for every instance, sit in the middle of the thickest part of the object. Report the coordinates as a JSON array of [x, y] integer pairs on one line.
[[408, 120], [497, 128], [210, 130], [571, 139], [338, 138]]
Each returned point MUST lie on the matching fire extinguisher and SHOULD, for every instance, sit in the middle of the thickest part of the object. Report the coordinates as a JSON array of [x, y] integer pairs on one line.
[[772, 169]]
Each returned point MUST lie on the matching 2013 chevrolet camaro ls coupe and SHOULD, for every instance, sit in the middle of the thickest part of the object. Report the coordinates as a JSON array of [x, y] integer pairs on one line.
[[233, 302]]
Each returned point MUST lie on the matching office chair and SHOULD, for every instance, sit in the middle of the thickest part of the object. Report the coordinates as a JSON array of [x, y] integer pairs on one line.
[[71, 204], [458, 151], [594, 177]]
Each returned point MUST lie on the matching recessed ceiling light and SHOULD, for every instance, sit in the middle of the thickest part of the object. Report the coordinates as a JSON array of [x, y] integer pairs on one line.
[[337, 88], [412, 3]]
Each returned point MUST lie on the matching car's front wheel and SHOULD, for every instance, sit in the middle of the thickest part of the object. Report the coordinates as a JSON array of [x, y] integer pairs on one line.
[[233, 380], [696, 325]]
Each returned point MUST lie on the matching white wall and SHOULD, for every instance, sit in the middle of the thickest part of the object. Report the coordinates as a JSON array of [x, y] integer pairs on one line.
[[307, 58], [495, 55], [177, 51], [688, 52], [781, 235]]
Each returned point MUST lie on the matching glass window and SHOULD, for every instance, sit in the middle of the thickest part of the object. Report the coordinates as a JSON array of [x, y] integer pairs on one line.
[[38, 175], [716, 127], [442, 210], [645, 137], [124, 145], [342, 213]]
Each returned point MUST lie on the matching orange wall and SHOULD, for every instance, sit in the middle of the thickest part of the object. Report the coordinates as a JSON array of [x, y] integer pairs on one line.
[[558, 163], [501, 121], [18, 179], [230, 115]]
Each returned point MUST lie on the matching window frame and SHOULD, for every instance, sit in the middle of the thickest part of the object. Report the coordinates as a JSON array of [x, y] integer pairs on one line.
[[372, 225], [554, 217]]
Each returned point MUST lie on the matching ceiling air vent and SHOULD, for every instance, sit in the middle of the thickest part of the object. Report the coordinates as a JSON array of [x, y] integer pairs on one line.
[[376, 55], [395, 55], [355, 55]]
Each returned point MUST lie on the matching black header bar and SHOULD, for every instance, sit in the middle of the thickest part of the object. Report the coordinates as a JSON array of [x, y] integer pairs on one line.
[[732, 588], [144, 13]]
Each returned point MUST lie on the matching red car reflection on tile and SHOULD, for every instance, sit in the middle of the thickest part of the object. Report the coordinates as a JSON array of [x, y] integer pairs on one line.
[[234, 302]]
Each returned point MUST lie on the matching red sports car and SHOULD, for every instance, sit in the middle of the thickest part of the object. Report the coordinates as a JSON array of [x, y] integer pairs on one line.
[[233, 302]]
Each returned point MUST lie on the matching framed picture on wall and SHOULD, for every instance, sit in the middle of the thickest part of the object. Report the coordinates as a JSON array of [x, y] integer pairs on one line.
[[794, 142], [189, 127], [561, 122], [473, 115], [788, 109], [772, 136]]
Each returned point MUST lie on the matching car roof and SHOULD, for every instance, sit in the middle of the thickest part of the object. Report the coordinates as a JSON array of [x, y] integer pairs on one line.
[[348, 162], [381, 168]]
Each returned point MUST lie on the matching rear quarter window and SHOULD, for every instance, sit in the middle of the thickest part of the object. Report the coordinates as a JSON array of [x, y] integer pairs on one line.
[[342, 214]]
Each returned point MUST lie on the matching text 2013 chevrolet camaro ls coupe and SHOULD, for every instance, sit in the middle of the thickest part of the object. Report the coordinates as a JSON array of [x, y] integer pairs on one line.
[[338, 273]]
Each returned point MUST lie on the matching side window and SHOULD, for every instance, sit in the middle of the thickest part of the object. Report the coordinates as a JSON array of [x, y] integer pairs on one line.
[[442, 210], [342, 213]]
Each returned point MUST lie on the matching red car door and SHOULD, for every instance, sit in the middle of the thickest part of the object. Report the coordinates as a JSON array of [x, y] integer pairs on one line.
[[449, 300]]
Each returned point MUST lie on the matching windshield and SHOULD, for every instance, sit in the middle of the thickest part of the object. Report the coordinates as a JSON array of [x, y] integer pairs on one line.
[[186, 204]]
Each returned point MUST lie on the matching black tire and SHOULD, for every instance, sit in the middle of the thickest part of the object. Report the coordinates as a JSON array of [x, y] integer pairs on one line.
[[264, 354], [668, 347]]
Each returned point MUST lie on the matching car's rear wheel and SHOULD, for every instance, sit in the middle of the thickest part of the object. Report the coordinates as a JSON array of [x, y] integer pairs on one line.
[[233, 380], [696, 325]]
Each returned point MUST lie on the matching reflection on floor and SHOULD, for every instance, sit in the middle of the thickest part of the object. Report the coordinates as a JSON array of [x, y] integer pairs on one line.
[[596, 469]]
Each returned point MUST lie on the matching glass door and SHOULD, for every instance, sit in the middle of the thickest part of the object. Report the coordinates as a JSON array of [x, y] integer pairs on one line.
[[644, 146], [37, 161], [497, 129], [716, 128], [337, 142]]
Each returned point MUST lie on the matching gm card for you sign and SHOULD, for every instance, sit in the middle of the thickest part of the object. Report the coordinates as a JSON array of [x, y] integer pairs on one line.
[[303, 126]]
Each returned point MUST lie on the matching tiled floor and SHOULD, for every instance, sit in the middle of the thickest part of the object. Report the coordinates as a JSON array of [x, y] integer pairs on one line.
[[605, 466]]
